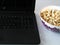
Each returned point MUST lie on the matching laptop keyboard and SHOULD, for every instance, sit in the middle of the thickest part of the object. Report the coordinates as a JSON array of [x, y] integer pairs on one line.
[[16, 22]]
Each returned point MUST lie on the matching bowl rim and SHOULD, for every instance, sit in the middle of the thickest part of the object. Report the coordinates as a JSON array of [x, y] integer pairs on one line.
[[47, 7], [50, 7]]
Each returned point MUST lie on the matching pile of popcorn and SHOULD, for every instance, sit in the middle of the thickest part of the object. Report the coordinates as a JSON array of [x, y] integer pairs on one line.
[[51, 16]]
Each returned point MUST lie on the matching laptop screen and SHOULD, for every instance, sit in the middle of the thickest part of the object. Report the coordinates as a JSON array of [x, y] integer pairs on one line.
[[16, 5]]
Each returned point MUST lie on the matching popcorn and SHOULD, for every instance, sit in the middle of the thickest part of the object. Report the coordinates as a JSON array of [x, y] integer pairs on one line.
[[51, 16]]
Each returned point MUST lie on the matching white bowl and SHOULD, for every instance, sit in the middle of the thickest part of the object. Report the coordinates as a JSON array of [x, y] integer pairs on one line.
[[47, 25]]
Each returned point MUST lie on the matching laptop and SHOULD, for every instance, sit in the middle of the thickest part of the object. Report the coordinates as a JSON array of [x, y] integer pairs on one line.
[[17, 22]]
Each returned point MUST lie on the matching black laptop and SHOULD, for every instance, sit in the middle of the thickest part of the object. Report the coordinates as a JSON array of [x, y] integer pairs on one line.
[[18, 23]]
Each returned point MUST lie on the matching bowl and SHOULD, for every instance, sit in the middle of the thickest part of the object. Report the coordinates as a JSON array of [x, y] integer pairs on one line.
[[48, 25]]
